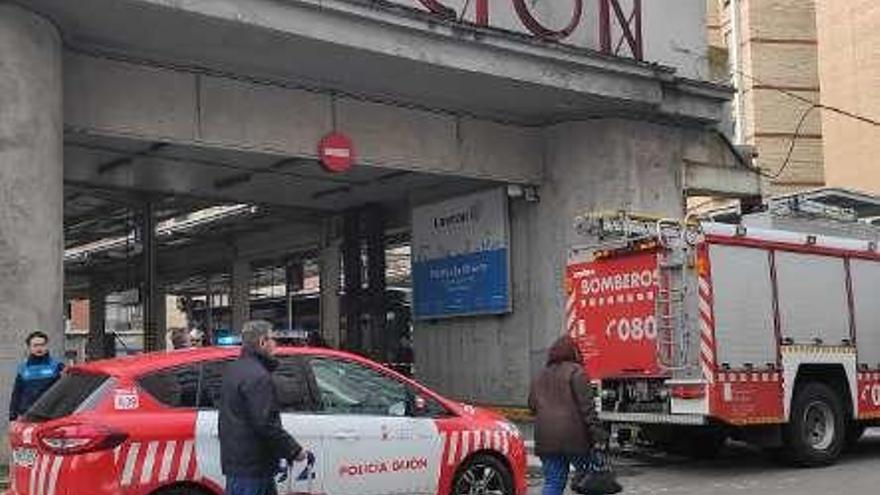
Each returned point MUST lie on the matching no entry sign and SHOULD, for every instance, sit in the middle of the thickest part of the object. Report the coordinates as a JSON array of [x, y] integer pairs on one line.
[[336, 152]]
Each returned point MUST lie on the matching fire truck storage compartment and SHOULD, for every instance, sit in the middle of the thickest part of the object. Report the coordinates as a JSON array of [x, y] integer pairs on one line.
[[743, 306], [813, 306], [866, 288]]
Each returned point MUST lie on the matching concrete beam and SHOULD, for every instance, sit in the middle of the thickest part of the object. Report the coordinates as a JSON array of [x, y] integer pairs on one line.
[[713, 168], [129, 99], [113, 98], [708, 180]]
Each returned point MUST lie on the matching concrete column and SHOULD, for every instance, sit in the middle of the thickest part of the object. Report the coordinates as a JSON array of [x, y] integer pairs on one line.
[[153, 339], [31, 189], [354, 273], [97, 347], [160, 310], [380, 342], [330, 271], [209, 309], [241, 293]]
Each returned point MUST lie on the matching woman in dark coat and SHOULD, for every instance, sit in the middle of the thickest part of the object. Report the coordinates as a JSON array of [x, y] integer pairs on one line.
[[567, 426]]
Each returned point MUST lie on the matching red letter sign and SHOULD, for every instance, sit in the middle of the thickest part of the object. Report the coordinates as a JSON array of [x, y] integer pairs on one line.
[[539, 30], [630, 27]]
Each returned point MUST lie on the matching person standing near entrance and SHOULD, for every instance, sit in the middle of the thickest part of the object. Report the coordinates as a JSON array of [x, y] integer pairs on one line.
[[252, 439], [567, 426], [35, 375]]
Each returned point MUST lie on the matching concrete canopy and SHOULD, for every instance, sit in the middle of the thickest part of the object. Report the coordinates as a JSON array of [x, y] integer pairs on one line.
[[385, 52], [291, 202], [245, 177]]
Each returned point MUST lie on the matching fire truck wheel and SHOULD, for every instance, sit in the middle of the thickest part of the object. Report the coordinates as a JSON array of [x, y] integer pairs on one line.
[[483, 475], [816, 432]]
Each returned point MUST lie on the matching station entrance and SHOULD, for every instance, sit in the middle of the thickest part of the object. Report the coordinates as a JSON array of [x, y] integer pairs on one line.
[[169, 245]]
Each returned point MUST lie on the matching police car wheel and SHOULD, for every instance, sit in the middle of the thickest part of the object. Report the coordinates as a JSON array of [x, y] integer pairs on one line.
[[483, 475]]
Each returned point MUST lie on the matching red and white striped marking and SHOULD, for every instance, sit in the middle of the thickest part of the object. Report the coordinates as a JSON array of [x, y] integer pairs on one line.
[[145, 463], [749, 377], [869, 377], [44, 475], [707, 330], [458, 445]]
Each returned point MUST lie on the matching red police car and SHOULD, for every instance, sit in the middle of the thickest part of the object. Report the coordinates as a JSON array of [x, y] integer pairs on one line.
[[147, 424]]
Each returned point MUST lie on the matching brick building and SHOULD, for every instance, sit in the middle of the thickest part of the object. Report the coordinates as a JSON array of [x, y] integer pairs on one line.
[[784, 56]]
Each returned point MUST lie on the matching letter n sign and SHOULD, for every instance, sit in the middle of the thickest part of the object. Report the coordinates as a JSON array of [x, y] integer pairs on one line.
[[629, 25]]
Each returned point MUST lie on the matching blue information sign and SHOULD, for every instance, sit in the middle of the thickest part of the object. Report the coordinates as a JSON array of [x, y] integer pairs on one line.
[[461, 257]]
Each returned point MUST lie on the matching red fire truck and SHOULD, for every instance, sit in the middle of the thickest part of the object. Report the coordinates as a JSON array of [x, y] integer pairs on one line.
[[698, 332]]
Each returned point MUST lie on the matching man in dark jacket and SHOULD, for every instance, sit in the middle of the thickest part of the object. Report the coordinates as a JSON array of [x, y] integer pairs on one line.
[[252, 439], [35, 375], [567, 426]]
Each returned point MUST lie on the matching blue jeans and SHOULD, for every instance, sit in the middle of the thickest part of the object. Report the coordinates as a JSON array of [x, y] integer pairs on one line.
[[250, 486], [556, 468]]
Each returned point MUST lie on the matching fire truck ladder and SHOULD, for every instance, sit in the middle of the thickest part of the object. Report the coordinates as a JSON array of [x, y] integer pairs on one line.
[[673, 339]]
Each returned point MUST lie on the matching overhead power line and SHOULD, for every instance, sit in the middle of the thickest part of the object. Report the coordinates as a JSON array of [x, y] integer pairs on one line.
[[792, 143], [830, 108]]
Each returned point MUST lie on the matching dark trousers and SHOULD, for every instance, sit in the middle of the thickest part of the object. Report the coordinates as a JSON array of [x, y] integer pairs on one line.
[[236, 485]]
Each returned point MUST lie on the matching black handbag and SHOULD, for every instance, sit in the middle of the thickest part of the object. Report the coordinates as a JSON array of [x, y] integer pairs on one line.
[[596, 477]]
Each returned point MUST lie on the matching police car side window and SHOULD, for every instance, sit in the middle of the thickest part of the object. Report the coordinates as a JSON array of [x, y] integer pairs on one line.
[[296, 392], [347, 387], [173, 387], [210, 384]]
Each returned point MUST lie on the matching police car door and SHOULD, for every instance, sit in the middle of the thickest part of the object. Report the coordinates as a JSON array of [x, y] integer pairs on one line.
[[375, 446], [297, 405]]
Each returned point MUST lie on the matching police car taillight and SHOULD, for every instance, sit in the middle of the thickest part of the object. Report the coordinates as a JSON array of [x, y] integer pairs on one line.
[[80, 439]]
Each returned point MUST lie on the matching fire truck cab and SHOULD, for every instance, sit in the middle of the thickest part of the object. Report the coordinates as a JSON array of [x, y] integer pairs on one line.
[[695, 332]]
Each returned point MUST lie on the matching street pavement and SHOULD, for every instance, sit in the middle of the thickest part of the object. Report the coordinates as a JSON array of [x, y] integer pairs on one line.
[[742, 470]]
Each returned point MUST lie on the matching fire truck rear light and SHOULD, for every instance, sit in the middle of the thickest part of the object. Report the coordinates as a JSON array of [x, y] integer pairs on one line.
[[689, 391], [702, 266], [80, 439]]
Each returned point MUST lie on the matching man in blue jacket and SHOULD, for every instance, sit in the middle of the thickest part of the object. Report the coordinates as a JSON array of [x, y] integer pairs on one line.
[[35, 375]]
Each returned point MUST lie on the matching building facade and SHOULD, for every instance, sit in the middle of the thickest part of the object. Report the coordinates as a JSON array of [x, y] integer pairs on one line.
[[849, 73], [787, 56], [770, 50]]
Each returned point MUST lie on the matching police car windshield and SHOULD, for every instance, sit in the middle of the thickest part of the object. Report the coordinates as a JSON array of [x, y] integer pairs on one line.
[[70, 394]]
